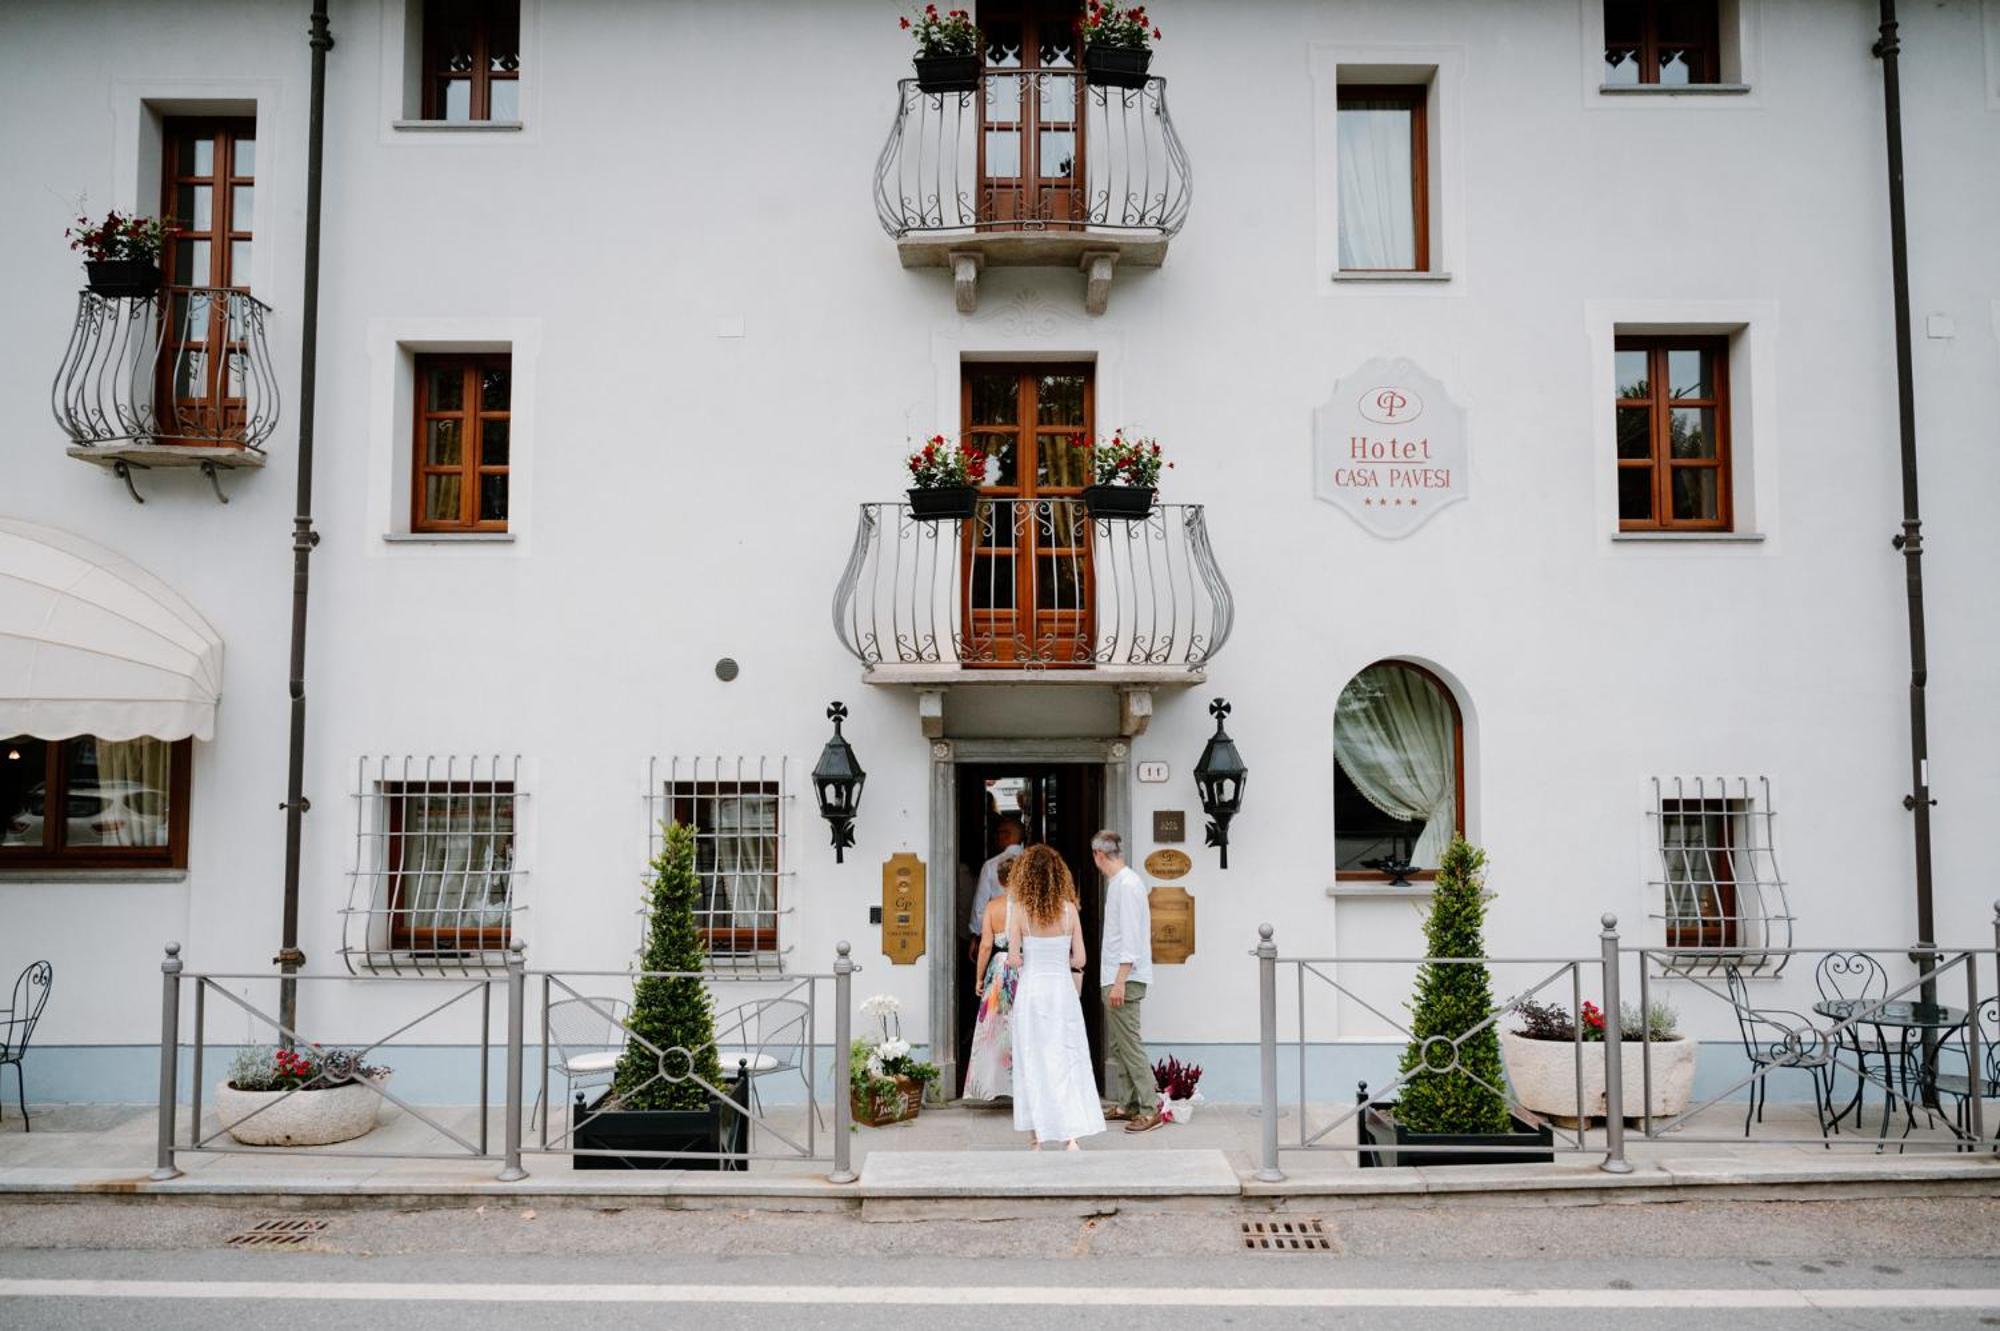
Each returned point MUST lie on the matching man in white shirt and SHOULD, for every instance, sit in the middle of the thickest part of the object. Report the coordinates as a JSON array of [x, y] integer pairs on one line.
[[1127, 956], [1009, 835]]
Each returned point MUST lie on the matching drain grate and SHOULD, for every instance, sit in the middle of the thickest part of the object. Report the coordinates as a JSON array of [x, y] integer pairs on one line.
[[289, 1233], [1286, 1236]]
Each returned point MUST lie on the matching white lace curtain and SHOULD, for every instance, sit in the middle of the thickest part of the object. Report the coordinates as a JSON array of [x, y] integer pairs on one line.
[[738, 859], [1377, 207], [1393, 735], [456, 859], [135, 779]]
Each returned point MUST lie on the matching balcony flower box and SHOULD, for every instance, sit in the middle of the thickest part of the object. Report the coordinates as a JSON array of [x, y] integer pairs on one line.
[[121, 254], [1117, 45], [947, 58], [947, 73], [1116, 66], [945, 478], [944, 502], [122, 277], [1120, 503]]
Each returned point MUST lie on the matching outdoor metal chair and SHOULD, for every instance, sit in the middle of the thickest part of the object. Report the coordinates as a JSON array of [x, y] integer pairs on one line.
[[1960, 1086], [1853, 977], [767, 1037], [17, 1026], [1779, 1038], [588, 1037]]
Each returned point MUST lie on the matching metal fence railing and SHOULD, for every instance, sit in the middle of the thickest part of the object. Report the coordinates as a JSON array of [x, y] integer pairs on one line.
[[1913, 1033], [563, 1019]]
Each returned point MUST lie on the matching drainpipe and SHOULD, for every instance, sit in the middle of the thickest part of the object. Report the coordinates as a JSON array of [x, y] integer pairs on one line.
[[304, 538], [1910, 540]]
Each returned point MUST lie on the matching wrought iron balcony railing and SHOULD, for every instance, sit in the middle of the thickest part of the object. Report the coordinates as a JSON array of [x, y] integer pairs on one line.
[[1032, 584], [187, 366], [1033, 150]]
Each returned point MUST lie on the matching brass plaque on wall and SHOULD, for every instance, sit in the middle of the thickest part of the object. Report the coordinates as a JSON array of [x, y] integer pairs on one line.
[[903, 908], [1173, 925], [1169, 825], [1168, 864]]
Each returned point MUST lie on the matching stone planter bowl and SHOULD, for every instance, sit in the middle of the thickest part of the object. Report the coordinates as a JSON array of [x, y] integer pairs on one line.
[[1543, 1073], [304, 1118]]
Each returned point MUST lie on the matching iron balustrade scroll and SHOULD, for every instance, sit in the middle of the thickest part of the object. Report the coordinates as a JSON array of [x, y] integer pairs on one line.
[[755, 1036], [1033, 583], [1114, 163], [184, 366]]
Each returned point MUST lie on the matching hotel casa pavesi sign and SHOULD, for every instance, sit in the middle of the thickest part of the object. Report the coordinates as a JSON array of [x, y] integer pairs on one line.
[[1389, 448]]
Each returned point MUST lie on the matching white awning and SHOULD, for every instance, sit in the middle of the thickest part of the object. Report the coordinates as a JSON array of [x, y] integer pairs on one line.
[[92, 644]]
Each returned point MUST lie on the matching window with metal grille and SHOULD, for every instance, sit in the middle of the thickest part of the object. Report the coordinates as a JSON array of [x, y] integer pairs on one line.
[[435, 864], [1722, 899], [739, 810]]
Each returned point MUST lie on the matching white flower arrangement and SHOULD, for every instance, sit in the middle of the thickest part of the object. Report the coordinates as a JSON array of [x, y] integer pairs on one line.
[[881, 1005]]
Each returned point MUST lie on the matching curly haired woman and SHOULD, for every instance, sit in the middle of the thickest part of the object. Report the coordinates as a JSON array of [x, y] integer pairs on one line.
[[1055, 1093]]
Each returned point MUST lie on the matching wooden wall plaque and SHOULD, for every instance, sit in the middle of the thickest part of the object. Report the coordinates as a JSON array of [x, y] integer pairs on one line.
[[1168, 864], [1173, 925], [903, 908]]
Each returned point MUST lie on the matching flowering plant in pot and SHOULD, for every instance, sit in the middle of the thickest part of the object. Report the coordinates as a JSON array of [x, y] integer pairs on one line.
[[947, 58], [885, 1081], [1124, 474], [121, 254], [1177, 1083], [304, 1096], [945, 478], [1117, 45], [1542, 1059]]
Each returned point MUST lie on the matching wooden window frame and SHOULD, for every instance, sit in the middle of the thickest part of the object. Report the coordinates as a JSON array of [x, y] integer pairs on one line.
[[684, 805], [1416, 96], [53, 853], [1660, 459], [482, 75], [1457, 773], [404, 937], [472, 418], [1651, 43], [1033, 198], [1726, 930], [212, 412]]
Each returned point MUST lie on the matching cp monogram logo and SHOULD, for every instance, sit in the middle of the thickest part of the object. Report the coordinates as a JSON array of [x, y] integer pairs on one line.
[[1390, 406]]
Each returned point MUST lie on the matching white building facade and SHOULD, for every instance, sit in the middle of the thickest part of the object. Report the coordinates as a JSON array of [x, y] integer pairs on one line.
[[1541, 407]]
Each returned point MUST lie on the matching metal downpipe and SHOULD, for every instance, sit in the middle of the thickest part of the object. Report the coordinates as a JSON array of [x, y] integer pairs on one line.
[[289, 958]]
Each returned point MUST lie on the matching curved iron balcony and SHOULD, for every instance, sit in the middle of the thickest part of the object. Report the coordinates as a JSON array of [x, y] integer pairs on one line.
[[186, 369], [1033, 584], [1035, 168]]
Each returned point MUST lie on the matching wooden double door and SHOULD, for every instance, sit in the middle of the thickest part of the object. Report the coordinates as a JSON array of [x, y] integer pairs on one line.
[[1027, 557], [1031, 116], [208, 194]]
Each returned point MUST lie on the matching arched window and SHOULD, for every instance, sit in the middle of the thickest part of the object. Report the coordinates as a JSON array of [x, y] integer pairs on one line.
[[1399, 770]]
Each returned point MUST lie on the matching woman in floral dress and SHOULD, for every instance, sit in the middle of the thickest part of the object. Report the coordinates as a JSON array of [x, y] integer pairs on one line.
[[989, 1073]]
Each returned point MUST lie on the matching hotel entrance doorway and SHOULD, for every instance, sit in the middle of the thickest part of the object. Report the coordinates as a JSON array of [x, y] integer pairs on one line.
[[1057, 804]]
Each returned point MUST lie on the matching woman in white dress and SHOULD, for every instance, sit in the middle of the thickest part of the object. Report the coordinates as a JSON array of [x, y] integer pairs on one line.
[[1055, 1095]]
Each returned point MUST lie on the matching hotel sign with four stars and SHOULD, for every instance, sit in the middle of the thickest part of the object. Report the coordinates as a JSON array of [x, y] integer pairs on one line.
[[1389, 448]]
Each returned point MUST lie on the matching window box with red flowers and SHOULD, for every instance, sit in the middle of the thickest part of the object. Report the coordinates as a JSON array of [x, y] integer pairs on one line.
[[1117, 45], [1125, 476], [121, 254], [945, 479], [947, 58]]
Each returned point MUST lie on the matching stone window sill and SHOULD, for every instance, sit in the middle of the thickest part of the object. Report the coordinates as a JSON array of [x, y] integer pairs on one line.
[[448, 538], [458, 126], [1688, 537], [1347, 275], [1674, 89]]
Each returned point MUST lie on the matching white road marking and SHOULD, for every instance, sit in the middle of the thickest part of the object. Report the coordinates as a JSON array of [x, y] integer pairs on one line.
[[1909, 1300]]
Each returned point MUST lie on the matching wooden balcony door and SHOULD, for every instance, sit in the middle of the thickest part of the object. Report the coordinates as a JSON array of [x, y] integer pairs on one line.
[[1027, 556], [208, 190], [1031, 116]]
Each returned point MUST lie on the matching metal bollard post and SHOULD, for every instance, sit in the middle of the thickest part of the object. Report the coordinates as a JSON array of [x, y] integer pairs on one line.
[[843, 1036], [517, 984], [170, 1060], [1267, 1053], [1976, 1111], [1614, 1056]]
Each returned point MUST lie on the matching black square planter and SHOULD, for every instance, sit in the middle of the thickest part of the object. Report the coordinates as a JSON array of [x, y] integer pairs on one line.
[[723, 1126], [947, 73], [1378, 1127], [123, 277], [1127, 503], [1116, 66], [943, 501]]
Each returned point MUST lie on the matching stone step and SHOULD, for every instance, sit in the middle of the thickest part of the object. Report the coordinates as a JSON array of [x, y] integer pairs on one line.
[[1024, 1173]]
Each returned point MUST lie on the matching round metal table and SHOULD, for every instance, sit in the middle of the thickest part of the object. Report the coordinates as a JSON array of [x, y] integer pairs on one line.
[[1906, 1019]]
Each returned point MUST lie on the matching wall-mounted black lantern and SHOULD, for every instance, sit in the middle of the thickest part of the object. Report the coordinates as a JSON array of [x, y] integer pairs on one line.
[[1220, 776], [837, 780]]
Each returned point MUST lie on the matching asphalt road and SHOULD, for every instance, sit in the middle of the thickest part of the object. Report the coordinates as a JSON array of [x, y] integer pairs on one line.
[[1747, 1265]]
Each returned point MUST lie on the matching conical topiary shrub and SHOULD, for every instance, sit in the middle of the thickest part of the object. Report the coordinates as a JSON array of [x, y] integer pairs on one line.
[[671, 1013], [1452, 1000]]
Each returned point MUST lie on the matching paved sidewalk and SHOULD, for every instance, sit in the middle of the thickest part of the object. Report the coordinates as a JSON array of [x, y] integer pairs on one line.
[[963, 1153]]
